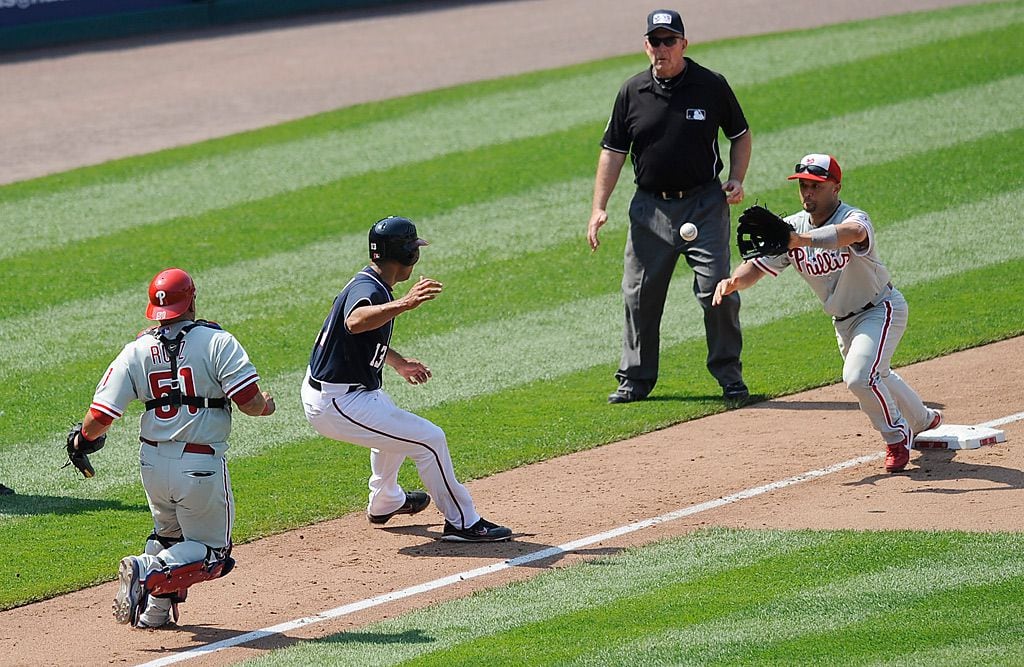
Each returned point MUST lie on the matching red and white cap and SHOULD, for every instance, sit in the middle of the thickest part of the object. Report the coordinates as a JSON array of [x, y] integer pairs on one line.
[[171, 294], [818, 167]]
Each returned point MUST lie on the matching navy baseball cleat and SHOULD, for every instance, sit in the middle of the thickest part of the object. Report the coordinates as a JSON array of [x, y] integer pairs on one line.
[[481, 531], [415, 502]]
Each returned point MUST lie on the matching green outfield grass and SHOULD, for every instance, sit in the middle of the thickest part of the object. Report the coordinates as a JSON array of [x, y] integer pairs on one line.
[[725, 597], [923, 111]]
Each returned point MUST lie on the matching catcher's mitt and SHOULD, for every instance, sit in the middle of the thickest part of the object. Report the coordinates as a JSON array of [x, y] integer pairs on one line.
[[761, 233], [78, 456]]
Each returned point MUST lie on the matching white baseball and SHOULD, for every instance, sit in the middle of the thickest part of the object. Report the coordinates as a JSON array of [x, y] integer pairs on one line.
[[688, 231]]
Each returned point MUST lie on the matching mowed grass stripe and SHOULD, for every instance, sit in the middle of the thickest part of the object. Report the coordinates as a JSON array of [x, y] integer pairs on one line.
[[241, 175], [822, 616], [677, 602], [887, 133], [34, 279], [896, 131], [540, 345]]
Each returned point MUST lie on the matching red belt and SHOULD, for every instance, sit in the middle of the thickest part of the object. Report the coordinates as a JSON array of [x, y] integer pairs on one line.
[[190, 447]]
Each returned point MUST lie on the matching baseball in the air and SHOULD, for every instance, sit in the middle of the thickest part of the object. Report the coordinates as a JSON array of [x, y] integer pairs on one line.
[[688, 231]]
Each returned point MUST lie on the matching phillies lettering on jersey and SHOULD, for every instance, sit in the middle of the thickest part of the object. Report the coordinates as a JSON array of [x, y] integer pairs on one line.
[[819, 261]]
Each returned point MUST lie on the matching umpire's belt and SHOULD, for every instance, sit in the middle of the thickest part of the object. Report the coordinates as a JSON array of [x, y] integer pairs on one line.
[[315, 384], [190, 447], [670, 194], [681, 193], [866, 307]]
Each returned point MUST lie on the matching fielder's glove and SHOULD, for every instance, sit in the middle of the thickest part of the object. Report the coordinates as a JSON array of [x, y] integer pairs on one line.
[[761, 233], [78, 456]]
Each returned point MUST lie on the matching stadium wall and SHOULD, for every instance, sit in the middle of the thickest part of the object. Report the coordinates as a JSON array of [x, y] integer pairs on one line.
[[32, 24]]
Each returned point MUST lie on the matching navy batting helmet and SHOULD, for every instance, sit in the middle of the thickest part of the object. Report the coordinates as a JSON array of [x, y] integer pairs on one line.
[[395, 238]]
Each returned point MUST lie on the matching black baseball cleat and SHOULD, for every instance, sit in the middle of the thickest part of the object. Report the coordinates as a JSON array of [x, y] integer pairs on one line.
[[415, 502], [481, 531], [736, 392], [6, 490]]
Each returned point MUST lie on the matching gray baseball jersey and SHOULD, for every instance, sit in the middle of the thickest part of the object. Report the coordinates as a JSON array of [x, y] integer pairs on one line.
[[847, 279], [211, 364], [870, 317]]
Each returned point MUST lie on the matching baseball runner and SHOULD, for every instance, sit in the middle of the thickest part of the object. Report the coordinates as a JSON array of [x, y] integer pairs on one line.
[[187, 372], [343, 399], [832, 246]]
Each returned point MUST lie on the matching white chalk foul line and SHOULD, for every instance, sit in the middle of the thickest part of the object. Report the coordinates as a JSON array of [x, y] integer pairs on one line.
[[543, 554]]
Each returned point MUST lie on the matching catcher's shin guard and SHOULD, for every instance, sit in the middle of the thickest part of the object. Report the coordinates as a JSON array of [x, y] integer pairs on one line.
[[174, 582]]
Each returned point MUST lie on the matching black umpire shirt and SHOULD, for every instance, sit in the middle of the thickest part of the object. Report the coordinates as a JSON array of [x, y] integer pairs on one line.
[[672, 134], [342, 357]]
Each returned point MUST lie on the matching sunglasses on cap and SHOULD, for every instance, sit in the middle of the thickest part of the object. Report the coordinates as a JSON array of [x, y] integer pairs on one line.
[[658, 41], [814, 170]]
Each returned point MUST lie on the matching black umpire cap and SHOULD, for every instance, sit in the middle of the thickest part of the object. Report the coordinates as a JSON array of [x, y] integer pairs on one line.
[[664, 18]]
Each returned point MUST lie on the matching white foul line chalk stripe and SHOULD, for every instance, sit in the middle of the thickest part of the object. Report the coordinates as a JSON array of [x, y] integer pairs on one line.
[[531, 557]]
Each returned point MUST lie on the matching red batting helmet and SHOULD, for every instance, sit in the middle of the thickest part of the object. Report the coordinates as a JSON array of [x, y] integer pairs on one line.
[[171, 293]]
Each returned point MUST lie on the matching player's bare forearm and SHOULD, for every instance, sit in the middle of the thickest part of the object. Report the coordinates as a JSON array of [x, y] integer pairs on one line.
[[739, 160], [260, 405], [368, 318], [845, 234], [413, 370], [609, 167], [745, 275], [93, 428]]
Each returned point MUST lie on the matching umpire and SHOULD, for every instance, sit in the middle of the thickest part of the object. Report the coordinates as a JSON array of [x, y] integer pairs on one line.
[[667, 118]]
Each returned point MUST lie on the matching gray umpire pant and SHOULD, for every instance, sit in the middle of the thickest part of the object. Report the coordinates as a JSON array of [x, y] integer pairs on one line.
[[652, 249]]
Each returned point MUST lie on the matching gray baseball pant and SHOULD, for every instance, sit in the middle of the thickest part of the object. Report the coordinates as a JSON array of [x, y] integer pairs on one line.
[[652, 248]]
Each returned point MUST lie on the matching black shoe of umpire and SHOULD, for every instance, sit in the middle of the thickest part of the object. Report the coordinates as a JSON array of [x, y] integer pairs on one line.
[[628, 393], [736, 392], [415, 502]]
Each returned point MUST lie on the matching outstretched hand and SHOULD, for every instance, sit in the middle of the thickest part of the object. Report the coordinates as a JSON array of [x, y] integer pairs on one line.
[[723, 289], [424, 290]]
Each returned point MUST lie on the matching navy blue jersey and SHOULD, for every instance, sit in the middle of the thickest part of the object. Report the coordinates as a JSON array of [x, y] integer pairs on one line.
[[342, 357]]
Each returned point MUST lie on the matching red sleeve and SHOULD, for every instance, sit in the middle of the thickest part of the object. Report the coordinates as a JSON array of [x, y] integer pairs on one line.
[[102, 418], [246, 394]]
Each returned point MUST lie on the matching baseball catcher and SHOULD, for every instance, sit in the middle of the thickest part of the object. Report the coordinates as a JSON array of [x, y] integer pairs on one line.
[[761, 233], [189, 374], [79, 448]]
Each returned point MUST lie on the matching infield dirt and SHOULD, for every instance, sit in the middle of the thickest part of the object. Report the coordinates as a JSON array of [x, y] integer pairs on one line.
[[160, 89]]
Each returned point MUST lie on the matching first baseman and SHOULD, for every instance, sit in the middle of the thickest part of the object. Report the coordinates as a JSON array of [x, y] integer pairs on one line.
[[343, 398], [833, 248], [188, 372]]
